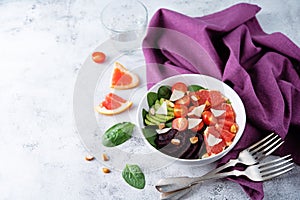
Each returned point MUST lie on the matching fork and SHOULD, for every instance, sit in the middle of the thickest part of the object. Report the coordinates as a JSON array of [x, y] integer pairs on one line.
[[254, 153], [249, 156], [257, 173]]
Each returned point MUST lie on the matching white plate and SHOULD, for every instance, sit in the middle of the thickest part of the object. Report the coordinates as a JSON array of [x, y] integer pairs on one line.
[[209, 83]]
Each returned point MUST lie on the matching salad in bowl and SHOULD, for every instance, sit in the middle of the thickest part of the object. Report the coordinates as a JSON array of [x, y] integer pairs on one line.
[[191, 118]]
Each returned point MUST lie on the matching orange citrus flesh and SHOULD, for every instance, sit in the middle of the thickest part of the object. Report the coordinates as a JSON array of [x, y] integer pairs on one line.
[[122, 78], [116, 97], [110, 104], [113, 104], [217, 148]]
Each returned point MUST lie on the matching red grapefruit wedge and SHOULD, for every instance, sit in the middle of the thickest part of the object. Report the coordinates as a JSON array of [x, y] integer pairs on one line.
[[213, 141], [211, 98], [123, 79], [112, 105]]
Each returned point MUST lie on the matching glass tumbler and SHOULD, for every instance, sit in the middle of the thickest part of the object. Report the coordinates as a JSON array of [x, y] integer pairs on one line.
[[125, 22]]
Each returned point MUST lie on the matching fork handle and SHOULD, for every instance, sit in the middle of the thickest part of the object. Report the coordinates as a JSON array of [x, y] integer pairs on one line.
[[214, 172], [230, 163], [217, 176], [177, 183], [181, 191]]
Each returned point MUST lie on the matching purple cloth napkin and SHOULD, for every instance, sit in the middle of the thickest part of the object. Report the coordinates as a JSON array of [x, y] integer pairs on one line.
[[231, 46]]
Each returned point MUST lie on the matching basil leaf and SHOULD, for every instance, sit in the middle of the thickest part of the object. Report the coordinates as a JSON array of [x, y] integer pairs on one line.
[[134, 176], [164, 92], [151, 98], [117, 134], [150, 134], [194, 88]]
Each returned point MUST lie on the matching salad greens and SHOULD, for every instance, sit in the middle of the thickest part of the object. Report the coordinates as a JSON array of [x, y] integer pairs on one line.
[[164, 92], [150, 134], [151, 98], [194, 88], [117, 134], [155, 100]]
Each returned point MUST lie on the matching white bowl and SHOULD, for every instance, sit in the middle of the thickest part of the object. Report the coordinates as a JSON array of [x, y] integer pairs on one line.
[[209, 83]]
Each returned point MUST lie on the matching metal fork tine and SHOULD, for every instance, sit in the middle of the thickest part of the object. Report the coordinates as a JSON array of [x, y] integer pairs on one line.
[[259, 142], [274, 161], [275, 170], [268, 151], [259, 145], [275, 165], [264, 144], [276, 174]]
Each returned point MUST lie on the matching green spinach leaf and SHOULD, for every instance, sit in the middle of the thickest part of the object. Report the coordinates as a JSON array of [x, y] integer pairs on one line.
[[164, 92], [194, 88], [150, 134], [151, 98], [117, 134], [134, 176]]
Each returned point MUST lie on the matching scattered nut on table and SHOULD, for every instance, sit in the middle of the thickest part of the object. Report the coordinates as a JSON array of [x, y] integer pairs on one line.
[[89, 158], [105, 170], [105, 157]]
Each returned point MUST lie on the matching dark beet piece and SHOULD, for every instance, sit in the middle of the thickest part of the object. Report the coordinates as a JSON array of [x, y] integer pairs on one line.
[[185, 150], [168, 135], [161, 143], [163, 139]]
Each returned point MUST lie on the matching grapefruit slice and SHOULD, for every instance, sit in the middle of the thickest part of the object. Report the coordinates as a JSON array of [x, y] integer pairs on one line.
[[211, 98], [123, 79], [112, 105], [227, 125], [214, 142], [227, 137], [228, 113], [216, 98]]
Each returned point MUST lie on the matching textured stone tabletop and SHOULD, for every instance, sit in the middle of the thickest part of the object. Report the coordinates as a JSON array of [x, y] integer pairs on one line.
[[43, 45]]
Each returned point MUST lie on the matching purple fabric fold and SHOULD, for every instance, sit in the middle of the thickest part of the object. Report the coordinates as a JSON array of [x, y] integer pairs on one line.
[[231, 46]]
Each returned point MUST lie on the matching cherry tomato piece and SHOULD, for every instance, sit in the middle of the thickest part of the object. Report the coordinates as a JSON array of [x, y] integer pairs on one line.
[[180, 87], [98, 57], [208, 118], [180, 110], [184, 100], [180, 124]]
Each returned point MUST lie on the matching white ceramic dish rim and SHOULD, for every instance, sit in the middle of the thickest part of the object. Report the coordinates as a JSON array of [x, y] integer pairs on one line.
[[210, 83]]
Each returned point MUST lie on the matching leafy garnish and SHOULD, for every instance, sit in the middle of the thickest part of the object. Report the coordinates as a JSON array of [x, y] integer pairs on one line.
[[151, 98], [134, 176], [150, 134], [117, 134], [164, 92], [194, 88]]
